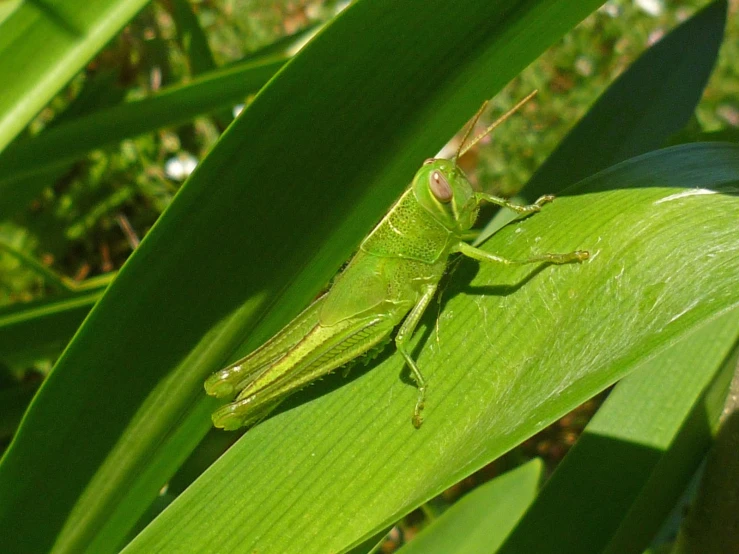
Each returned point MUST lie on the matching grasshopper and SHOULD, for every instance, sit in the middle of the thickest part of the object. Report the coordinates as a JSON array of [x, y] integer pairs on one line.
[[389, 282]]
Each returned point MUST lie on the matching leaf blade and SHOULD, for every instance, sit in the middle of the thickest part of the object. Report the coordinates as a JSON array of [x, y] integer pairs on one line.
[[44, 44], [132, 401], [487, 392]]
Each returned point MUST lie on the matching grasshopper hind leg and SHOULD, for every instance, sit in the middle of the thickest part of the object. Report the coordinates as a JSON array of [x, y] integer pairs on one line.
[[401, 341], [249, 409], [310, 359]]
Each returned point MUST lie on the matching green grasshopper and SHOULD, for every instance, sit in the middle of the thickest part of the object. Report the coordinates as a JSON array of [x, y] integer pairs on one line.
[[391, 279]]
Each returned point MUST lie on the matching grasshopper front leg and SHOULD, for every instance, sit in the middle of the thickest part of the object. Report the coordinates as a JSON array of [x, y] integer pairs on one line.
[[481, 255], [519, 209], [401, 342]]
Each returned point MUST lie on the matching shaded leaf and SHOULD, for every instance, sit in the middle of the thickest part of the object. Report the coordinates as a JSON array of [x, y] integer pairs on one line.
[[480, 521], [514, 350], [635, 458], [128, 389]]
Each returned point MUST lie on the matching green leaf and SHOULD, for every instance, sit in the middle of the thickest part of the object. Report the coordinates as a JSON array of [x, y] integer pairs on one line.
[[480, 521], [221, 264], [711, 525], [652, 100], [191, 37], [512, 351], [635, 458], [39, 329], [68, 141], [43, 44]]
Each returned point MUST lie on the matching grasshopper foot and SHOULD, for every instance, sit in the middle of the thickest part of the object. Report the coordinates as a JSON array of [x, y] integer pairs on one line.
[[536, 206], [544, 200], [417, 418], [576, 256]]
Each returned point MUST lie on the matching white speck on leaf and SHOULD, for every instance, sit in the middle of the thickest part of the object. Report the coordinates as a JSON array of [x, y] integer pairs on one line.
[[685, 194], [683, 312]]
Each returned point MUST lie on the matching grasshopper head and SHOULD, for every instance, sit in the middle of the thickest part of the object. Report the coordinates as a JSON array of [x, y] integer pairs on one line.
[[445, 192]]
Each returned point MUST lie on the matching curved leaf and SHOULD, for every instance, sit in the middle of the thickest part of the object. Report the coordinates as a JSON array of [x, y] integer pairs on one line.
[[327, 156], [512, 351], [43, 44], [478, 522], [636, 456], [72, 139], [652, 100]]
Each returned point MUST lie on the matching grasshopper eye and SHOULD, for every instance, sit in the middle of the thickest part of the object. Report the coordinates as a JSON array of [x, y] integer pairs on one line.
[[440, 187]]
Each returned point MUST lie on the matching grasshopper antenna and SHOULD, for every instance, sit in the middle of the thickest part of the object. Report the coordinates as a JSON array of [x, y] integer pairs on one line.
[[463, 149], [468, 131]]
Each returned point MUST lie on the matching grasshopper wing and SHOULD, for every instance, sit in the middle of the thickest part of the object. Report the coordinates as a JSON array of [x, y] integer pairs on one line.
[[237, 376], [348, 321]]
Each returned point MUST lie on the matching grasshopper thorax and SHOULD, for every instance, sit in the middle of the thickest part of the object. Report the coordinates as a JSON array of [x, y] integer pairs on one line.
[[443, 190]]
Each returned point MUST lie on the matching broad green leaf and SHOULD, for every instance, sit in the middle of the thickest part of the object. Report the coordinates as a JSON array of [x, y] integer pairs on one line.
[[479, 522], [586, 519], [635, 458], [511, 351], [328, 156], [43, 44], [628, 467]]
